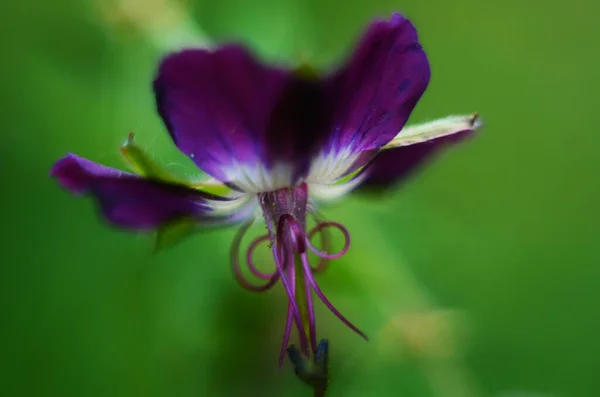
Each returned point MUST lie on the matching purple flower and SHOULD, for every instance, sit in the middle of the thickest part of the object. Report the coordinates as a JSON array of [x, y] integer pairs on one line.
[[277, 142]]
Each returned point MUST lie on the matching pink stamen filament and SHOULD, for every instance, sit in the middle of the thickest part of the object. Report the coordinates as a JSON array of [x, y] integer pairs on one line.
[[325, 255], [235, 264], [286, 334], [277, 248], [299, 239], [323, 262], [253, 245], [311, 314], [315, 287]]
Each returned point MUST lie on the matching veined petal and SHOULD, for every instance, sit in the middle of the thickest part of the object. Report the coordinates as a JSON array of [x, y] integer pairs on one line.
[[258, 127], [133, 202], [242, 122], [335, 191], [373, 96], [415, 145]]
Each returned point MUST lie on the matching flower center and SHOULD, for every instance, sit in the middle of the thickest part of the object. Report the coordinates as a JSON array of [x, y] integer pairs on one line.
[[285, 211]]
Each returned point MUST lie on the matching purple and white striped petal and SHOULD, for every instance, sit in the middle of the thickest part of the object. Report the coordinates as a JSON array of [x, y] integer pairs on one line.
[[243, 122], [133, 202], [262, 128], [372, 96]]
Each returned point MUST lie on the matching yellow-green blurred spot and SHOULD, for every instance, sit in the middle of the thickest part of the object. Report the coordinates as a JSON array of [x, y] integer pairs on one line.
[[430, 335], [307, 72]]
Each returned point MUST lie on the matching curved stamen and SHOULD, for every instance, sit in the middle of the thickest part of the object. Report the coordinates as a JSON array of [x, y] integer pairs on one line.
[[312, 326], [286, 334], [290, 318], [308, 275], [325, 243], [276, 248], [253, 245], [235, 263], [299, 239], [325, 255]]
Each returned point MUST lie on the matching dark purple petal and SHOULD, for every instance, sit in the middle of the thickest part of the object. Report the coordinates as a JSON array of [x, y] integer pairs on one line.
[[375, 93], [127, 200], [393, 165], [226, 110]]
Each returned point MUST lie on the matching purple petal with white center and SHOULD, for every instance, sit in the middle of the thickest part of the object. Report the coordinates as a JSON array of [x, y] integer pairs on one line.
[[259, 127], [375, 93], [130, 201], [233, 115]]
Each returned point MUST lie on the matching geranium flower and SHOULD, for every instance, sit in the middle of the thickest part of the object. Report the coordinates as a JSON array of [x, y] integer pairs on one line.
[[277, 143]]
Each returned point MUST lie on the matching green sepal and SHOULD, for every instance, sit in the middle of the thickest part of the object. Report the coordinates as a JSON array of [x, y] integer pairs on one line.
[[315, 372], [349, 177], [218, 189], [171, 234], [141, 163]]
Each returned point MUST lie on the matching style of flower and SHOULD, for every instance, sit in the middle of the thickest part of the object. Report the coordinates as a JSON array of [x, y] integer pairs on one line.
[[279, 142]]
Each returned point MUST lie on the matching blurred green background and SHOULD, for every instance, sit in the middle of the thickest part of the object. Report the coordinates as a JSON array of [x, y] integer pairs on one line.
[[478, 277]]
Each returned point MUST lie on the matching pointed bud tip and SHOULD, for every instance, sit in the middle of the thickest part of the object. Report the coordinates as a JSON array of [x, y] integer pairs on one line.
[[475, 120], [129, 140]]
